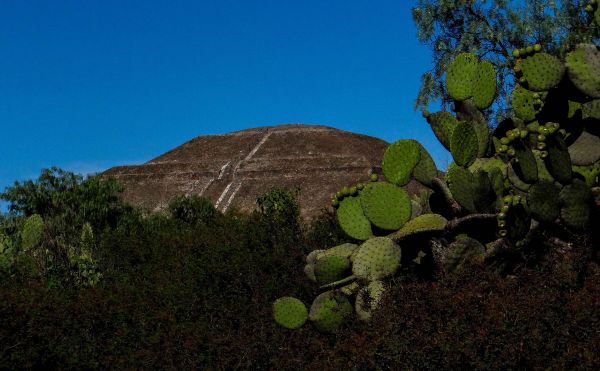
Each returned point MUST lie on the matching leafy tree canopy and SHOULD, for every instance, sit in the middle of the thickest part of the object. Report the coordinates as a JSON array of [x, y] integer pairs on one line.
[[491, 30], [61, 194]]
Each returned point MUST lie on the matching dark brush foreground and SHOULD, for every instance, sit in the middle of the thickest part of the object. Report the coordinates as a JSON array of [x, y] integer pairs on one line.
[[188, 291]]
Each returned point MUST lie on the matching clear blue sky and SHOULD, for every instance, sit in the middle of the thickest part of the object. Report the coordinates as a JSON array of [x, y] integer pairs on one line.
[[86, 85]]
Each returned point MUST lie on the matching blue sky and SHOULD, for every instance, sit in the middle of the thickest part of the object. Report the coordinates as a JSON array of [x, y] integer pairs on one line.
[[86, 85]]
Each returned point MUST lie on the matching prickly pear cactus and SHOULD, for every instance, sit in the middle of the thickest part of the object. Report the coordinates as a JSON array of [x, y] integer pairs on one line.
[[290, 312]]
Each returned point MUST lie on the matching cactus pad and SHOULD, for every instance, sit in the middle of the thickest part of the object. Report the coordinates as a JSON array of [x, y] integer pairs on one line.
[[523, 102], [330, 268], [558, 161], [443, 124], [289, 312], [386, 205], [543, 201], [329, 310], [576, 199], [583, 66], [585, 150], [376, 258], [526, 167], [420, 224], [484, 88], [368, 300], [460, 76], [590, 173], [542, 71], [352, 220], [461, 252], [425, 170], [460, 182], [464, 144], [591, 109], [399, 160]]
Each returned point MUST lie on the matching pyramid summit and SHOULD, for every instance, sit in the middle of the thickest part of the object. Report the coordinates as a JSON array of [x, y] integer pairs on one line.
[[233, 169]]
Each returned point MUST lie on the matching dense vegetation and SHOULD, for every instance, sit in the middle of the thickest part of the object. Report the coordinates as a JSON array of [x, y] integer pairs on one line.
[[192, 288]]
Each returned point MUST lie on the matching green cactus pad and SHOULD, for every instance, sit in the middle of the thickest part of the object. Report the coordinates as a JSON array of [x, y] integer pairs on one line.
[[309, 271], [542, 71], [387, 206], [487, 164], [464, 144], [368, 300], [583, 66], [543, 201], [460, 76], [484, 88], [558, 161], [289, 312], [376, 258], [526, 167], [399, 160], [576, 200], [523, 102], [422, 224], [330, 268], [484, 196], [585, 150], [518, 221], [352, 220], [461, 252], [590, 173], [460, 182], [443, 124], [350, 289], [311, 258], [516, 182], [591, 109], [483, 136], [329, 311], [344, 250], [425, 171]]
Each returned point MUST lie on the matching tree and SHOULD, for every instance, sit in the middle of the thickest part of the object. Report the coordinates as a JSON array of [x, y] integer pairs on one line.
[[59, 194], [492, 30]]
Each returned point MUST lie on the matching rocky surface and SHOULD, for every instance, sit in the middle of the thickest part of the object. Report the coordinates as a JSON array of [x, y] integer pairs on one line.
[[233, 169]]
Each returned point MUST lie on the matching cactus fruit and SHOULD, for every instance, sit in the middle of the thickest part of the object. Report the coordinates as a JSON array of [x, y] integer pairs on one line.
[[376, 259], [542, 71], [329, 311], [583, 66], [352, 219], [290, 312], [368, 300], [543, 201], [385, 205], [399, 160], [464, 144]]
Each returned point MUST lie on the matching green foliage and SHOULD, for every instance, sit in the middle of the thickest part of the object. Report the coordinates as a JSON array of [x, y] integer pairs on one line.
[[192, 209], [32, 233]]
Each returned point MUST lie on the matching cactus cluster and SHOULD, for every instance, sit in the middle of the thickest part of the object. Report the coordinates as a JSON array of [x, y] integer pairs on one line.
[[537, 169]]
